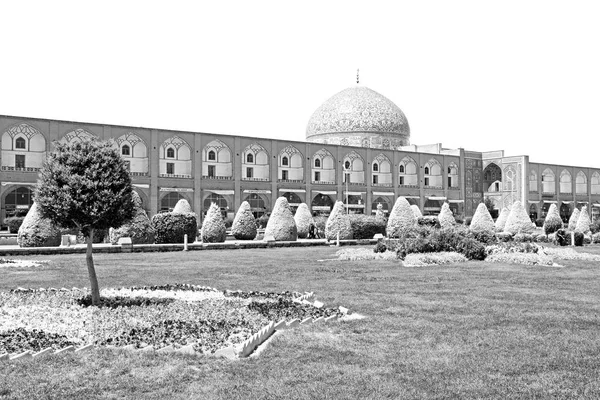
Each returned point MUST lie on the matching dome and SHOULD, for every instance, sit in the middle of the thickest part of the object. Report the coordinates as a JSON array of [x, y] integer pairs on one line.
[[359, 116]]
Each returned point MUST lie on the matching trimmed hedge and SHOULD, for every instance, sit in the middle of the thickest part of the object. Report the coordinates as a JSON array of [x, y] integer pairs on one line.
[[502, 218], [446, 217], [36, 231], [583, 222], [553, 222], [416, 210], [14, 223], [366, 226], [303, 219], [171, 227], [281, 225], [213, 227], [139, 228], [518, 220], [573, 219], [338, 222], [482, 220], [182, 207], [401, 218], [427, 240], [244, 224]]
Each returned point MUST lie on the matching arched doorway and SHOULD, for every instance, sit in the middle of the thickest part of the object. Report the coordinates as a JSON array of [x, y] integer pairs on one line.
[[492, 178], [219, 200], [321, 204], [169, 200], [293, 199], [385, 205], [257, 204], [432, 207], [18, 201]]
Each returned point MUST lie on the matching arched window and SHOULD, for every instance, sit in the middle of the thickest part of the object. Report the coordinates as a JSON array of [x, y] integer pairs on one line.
[[533, 184], [170, 152], [401, 169], [581, 183], [20, 143], [317, 163], [249, 158], [126, 150], [426, 170], [284, 161], [375, 167], [212, 156], [347, 165]]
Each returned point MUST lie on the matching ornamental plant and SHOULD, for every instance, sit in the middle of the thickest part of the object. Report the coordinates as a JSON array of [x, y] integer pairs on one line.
[[401, 218], [182, 207], [139, 228], [553, 222], [281, 225], [172, 227], [501, 221], [37, 231], [303, 219], [244, 224], [482, 220], [366, 226], [573, 219], [416, 210], [583, 222], [213, 227], [86, 185], [518, 221], [446, 217], [338, 223]]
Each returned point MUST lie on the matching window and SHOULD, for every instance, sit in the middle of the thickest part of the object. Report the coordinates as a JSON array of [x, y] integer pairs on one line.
[[249, 158], [249, 171], [401, 180], [212, 156], [449, 181], [20, 143], [317, 163], [170, 152], [170, 168], [375, 167], [346, 178], [375, 179], [426, 170], [284, 175], [125, 150], [402, 169], [317, 176], [211, 171], [497, 184], [347, 165], [284, 160], [19, 161], [426, 181]]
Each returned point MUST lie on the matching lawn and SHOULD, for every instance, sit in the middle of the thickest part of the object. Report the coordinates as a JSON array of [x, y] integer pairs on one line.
[[472, 330]]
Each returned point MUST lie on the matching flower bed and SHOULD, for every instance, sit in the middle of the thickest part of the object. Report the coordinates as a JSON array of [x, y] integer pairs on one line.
[[364, 254], [429, 259], [158, 316]]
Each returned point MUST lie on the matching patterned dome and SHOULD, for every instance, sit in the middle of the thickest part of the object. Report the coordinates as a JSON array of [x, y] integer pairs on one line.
[[359, 116]]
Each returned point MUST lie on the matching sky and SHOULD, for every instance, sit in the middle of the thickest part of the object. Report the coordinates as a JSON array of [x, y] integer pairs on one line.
[[520, 76]]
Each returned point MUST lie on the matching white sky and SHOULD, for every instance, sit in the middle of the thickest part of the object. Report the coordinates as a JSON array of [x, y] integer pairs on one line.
[[523, 76]]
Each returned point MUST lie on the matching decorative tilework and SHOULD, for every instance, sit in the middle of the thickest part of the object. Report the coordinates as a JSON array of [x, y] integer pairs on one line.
[[27, 130], [175, 141], [78, 135]]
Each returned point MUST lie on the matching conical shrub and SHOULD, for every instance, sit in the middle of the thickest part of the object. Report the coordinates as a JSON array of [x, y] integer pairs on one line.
[[482, 220], [416, 210], [37, 231], [303, 219], [553, 222], [501, 221], [583, 222], [244, 223], [518, 220], [213, 227], [338, 222], [182, 207], [573, 219], [281, 225], [446, 217], [401, 218], [139, 228]]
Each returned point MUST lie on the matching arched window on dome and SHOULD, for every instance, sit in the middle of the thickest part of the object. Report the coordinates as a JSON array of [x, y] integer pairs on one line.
[[407, 172], [581, 183]]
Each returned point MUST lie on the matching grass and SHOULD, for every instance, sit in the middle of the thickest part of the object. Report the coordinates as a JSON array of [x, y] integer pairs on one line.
[[471, 330]]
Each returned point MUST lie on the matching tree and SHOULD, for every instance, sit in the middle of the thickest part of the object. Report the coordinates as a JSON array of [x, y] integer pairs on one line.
[[213, 227], [583, 222], [518, 220], [338, 223], [244, 224], [85, 185], [489, 204], [501, 221], [416, 210], [482, 220], [139, 228], [401, 217], [281, 225], [573, 219], [552, 222], [446, 217], [303, 220], [182, 207]]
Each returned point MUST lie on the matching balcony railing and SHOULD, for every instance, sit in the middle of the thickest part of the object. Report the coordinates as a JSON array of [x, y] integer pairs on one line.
[[138, 173], [323, 183], [383, 184], [432, 187], [291, 180], [175, 176], [256, 179], [217, 177], [453, 188], [409, 186], [20, 169]]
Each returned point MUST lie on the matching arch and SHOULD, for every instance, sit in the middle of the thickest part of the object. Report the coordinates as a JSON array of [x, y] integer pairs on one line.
[[175, 158], [321, 204], [548, 185], [492, 178], [565, 212], [222, 153], [249, 158], [170, 152], [433, 173], [125, 150], [533, 182], [255, 163], [581, 183], [181, 150], [17, 201], [136, 143], [385, 204], [169, 199], [78, 135], [375, 166], [565, 182], [453, 175], [216, 198], [260, 155], [595, 183], [20, 143], [293, 199], [317, 163], [212, 156], [407, 172], [511, 175], [354, 167], [323, 167], [23, 148], [290, 164]]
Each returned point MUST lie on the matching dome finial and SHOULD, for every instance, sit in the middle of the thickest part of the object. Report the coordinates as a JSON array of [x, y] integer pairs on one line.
[[357, 80]]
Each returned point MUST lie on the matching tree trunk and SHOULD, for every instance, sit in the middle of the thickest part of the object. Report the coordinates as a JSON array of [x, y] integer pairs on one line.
[[91, 270]]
